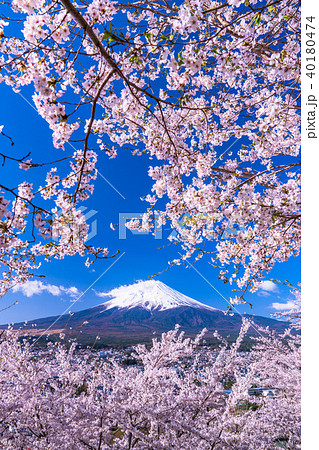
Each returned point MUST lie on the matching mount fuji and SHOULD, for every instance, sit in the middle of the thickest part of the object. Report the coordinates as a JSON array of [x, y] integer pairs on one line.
[[138, 312], [150, 295]]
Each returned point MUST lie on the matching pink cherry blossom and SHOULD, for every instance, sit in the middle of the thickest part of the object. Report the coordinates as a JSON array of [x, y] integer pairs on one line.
[[209, 90]]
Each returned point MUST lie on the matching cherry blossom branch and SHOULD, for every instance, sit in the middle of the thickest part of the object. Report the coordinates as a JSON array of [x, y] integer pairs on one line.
[[89, 128]]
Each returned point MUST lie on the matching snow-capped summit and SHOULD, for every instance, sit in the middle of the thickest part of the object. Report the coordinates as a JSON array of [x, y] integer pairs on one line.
[[149, 295]]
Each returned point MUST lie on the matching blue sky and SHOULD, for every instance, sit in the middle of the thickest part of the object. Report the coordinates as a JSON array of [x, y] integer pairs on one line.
[[140, 256]]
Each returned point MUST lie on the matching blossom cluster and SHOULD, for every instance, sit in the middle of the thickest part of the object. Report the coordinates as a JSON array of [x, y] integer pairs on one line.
[[59, 397], [209, 90]]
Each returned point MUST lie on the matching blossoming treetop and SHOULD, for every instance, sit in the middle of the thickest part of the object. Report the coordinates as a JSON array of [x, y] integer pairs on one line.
[[210, 89]]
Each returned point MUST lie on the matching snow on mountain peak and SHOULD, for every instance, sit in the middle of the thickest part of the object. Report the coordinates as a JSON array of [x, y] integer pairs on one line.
[[150, 294]]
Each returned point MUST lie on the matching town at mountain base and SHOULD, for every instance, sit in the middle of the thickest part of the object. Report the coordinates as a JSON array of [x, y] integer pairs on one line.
[[139, 312]]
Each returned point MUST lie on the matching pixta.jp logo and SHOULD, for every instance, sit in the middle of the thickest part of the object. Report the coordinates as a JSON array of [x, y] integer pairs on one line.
[[124, 218]]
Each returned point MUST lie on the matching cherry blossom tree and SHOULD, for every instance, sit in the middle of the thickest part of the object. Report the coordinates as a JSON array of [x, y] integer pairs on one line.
[[210, 89], [66, 399]]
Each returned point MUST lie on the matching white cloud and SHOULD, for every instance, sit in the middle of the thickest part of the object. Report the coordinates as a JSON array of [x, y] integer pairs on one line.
[[263, 294], [37, 287], [72, 291], [30, 288], [101, 294], [284, 306], [268, 286], [54, 290]]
